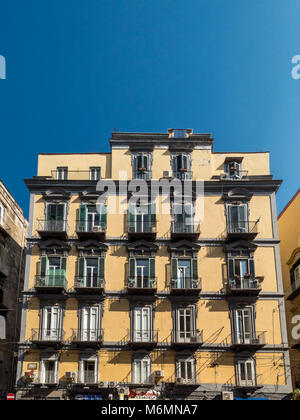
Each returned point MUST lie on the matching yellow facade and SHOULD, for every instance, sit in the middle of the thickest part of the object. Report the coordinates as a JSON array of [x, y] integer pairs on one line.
[[217, 360], [289, 233]]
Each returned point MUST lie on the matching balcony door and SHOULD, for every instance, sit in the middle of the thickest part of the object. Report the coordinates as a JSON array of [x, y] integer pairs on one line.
[[49, 371], [90, 323], [186, 369], [246, 373], [93, 218], [55, 217], [238, 218], [142, 325], [91, 272], [184, 280], [185, 325], [51, 324], [142, 273], [244, 326], [183, 220], [141, 370]]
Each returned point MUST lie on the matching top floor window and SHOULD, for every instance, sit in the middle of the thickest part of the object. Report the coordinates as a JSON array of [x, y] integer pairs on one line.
[[95, 173], [182, 166], [142, 165], [295, 275], [61, 173]]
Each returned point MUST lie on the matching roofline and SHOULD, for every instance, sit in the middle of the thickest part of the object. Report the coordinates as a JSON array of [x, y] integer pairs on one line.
[[289, 203], [241, 153], [60, 154]]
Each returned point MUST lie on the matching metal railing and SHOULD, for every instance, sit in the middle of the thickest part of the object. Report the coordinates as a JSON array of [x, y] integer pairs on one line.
[[183, 175], [91, 282], [75, 175], [257, 382], [145, 227], [187, 337], [181, 380], [186, 283], [245, 283], [84, 226], [87, 335], [180, 227], [235, 176], [242, 227], [53, 226], [142, 174], [142, 282], [47, 334], [237, 338], [57, 280], [142, 336]]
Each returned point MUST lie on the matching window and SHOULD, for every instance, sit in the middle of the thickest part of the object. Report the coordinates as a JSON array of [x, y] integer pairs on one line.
[[233, 170], [141, 272], [2, 327], [49, 371], [95, 173], [142, 324], [184, 273], [185, 329], [142, 165], [182, 218], [55, 217], [89, 323], [241, 272], [186, 369], [62, 173], [91, 271], [53, 271], [182, 166], [246, 373], [141, 370], [244, 325], [238, 218], [295, 275], [141, 221], [51, 324], [92, 218], [88, 370]]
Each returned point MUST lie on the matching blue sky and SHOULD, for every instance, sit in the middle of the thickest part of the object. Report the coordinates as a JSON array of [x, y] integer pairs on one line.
[[78, 69]]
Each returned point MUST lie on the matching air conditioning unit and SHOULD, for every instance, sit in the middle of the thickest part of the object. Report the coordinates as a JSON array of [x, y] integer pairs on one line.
[[158, 373], [103, 384], [227, 396], [195, 339], [167, 174], [97, 229], [29, 376], [180, 381], [70, 375], [112, 384]]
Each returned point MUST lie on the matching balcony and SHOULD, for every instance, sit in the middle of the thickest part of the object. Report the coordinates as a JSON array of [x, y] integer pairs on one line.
[[187, 339], [86, 230], [47, 337], [245, 286], [294, 290], [235, 176], [248, 341], [142, 285], [75, 176], [249, 385], [183, 175], [89, 285], [242, 230], [142, 174], [145, 230], [180, 230], [51, 283], [87, 337], [53, 229], [186, 286], [145, 339]]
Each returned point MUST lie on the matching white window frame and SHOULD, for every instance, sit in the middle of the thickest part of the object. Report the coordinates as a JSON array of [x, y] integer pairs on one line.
[[246, 382], [95, 173], [243, 336], [91, 358], [43, 362], [138, 374], [56, 332], [186, 360], [62, 173], [145, 333], [86, 314], [184, 336]]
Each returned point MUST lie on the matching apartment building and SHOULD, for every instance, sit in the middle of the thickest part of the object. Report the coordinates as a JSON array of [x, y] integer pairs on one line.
[[13, 227], [289, 234], [153, 302]]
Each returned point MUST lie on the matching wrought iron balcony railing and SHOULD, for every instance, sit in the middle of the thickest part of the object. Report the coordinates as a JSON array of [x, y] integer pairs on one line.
[[183, 175], [186, 283], [142, 228], [47, 335], [242, 228], [242, 340], [76, 175], [245, 285], [84, 226], [89, 282], [57, 280], [235, 176], [142, 283], [238, 382], [187, 338], [93, 335], [142, 338], [142, 175], [52, 227]]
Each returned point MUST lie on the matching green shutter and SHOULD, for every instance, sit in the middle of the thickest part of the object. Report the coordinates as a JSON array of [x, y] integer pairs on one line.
[[231, 270], [81, 267], [82, 217], [252, 267], [60, 212], [131, 218], [63, 263], [195, 269], [101, 268], [43, 266], [174, 268], [152, 269], [131, 269], [152, 209]]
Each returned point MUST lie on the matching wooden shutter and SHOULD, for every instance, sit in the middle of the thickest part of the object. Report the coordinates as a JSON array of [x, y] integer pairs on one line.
[[43, 266], [132, 264], [101, 268], [194, 267], [174, 268], [252, 267], [82, 217], [152, 268], [231, 270], [152, 216], [81, 268]]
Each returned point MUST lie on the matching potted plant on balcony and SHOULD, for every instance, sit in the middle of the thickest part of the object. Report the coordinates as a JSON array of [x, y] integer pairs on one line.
[[247, 275], [183, 170], [142, 169]]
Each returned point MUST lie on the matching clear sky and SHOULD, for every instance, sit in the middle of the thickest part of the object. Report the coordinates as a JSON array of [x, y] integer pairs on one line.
[[78, 69]]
